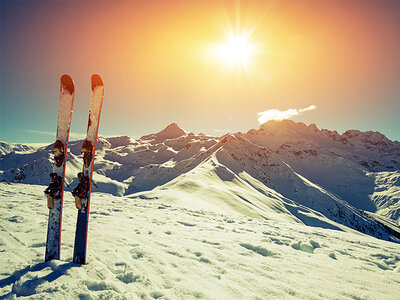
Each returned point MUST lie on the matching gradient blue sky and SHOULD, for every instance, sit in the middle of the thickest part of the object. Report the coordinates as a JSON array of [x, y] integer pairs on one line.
[[342, 56]]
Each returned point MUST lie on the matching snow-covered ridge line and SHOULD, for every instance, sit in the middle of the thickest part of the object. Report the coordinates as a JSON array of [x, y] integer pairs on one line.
[[351, 134], [6, 148], [279, 168]]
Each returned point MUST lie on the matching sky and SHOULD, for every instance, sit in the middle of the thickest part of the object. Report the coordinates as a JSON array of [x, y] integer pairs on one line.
[[176, 61]]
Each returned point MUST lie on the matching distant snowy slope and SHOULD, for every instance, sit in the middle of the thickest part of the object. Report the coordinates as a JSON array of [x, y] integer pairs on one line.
[[343, 164], [235, 175], [283, 170], [6, 148], [386, 194]]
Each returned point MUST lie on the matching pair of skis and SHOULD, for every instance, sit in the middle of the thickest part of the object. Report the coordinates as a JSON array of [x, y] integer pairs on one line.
[[82, 192]]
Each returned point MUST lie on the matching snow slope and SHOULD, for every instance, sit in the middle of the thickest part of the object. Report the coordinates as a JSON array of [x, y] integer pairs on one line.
[[6, 148], [281, 171], [150, 249], [343, 164], [246, 178]]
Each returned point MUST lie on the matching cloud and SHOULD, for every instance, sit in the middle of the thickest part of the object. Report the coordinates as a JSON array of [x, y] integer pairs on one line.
[[40, 132], [72, 135], [276, 114], [311, 107]]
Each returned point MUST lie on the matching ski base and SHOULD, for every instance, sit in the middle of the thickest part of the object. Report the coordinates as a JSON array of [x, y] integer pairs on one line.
[[81, 237], [53, 232]]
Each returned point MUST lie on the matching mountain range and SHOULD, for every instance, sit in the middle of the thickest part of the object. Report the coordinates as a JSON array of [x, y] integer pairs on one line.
[[283, 171]]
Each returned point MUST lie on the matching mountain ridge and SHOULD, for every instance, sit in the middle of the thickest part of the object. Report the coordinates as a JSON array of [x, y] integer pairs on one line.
[[305, 171]]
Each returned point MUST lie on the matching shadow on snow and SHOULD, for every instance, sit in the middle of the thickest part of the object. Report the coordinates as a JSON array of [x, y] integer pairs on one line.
[[28, 287]]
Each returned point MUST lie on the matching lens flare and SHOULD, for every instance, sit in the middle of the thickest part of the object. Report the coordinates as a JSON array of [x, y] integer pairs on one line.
[[236, 51]]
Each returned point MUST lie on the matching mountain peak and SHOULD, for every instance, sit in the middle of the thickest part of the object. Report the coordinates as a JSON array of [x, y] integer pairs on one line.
[[174, 127], [172, 131], [286, 125], [285, 128], [273, 123]]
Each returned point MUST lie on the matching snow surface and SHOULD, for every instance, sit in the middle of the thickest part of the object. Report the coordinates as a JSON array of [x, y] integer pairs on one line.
[[140, 248], [6, 148], [281, 171], [346, 165]]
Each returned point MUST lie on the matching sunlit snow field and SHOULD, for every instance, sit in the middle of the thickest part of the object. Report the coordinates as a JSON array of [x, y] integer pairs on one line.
[[149, 249]]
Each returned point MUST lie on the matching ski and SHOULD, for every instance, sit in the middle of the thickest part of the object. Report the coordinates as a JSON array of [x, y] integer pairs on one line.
[[82, 192], [55, 190]]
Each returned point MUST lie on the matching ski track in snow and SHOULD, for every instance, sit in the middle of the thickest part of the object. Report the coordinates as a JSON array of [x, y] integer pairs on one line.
[[146, 249]]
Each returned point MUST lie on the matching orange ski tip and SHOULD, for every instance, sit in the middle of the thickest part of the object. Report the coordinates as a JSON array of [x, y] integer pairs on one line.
[[96, 81], [67, 83]]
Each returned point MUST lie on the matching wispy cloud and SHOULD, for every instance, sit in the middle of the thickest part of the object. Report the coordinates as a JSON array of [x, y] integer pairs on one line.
[[276, 114], [40, 132], [73, 135]]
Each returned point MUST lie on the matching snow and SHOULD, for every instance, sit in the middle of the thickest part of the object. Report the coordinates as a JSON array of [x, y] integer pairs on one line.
[[387, 194], [345, 165], [281, 171], [151, 248], [170, 132], [6, 148]]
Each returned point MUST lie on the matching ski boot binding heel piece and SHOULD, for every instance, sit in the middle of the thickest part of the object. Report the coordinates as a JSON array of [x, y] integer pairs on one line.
[[81, 191], [87, 150], [53, 191], [58, 151]]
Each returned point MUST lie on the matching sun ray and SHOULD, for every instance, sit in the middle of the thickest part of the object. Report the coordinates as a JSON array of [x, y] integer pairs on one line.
[[236, 51]]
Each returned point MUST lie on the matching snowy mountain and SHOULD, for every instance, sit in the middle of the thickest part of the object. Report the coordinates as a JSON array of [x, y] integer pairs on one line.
[[6, 148], [283, 171], [359, 167]]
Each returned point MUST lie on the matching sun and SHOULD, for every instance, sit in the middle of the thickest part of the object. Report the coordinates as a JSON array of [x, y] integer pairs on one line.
[[236, 51]]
